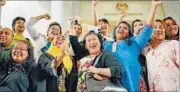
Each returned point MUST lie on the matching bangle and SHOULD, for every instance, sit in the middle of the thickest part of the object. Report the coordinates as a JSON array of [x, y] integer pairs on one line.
[[153, 10], [99, 70]]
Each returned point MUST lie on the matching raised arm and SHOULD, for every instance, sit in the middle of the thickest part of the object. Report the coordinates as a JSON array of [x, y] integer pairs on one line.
[[94, 14], [78, 48], [145, 34], [154, 6], [122, 15], [30, 25]]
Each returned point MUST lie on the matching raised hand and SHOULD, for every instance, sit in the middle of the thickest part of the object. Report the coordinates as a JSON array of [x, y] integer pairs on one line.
[[78, 18], [71, 32], [94, 2], [156, 2], [122, 15], [151, 18], [70, 21], [46, 16]]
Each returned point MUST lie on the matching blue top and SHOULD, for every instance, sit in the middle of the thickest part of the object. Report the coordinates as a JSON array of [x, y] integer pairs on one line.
[[128, 57]]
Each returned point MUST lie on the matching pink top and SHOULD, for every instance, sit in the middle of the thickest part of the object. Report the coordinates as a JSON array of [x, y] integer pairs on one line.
[[163, 67]]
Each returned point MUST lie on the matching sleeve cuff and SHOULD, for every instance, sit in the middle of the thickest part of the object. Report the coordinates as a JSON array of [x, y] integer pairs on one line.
[[72, 38], [148, 26]]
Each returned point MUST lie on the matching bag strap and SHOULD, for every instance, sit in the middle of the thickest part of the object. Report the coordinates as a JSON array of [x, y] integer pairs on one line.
[[97, 59], [5, 78]]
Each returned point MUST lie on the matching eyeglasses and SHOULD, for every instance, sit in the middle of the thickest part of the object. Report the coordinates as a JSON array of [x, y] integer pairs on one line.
[[20, 48]]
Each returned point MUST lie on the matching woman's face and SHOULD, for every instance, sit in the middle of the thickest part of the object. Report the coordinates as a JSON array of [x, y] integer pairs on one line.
[[122, 32], [53, 31], [92, 44], [59, 41], [104, 27], [159, 31], [138, 27], [172, 28], [20, 52], [77, 29]]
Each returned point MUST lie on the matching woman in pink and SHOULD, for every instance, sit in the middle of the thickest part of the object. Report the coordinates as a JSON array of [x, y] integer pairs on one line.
[[163, 61]]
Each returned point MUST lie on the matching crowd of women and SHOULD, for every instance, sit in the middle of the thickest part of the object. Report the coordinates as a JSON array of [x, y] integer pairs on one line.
[[143, 56]]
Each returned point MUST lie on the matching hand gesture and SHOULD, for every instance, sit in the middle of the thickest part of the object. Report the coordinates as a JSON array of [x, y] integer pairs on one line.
[[45, 16], [77, 18], [70, 21], [94, 2], [123, 14], [156, 2], [71, 32]]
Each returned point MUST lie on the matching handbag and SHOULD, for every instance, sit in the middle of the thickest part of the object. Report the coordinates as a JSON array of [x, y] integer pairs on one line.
[[94, 85]]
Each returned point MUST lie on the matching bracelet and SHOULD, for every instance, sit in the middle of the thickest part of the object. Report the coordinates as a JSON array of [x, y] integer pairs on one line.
[[99, 70], [152, 10]]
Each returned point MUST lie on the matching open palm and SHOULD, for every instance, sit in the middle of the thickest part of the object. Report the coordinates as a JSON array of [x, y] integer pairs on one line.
[[94, 2]]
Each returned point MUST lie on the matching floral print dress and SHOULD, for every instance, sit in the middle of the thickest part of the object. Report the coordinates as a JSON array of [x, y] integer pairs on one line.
[[163, 67], [85, 63]]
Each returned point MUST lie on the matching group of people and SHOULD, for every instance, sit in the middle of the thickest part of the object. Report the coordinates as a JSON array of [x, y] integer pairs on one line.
[[143, 56]]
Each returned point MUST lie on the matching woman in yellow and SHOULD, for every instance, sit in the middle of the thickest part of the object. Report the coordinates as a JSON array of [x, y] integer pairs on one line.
[[53, 62]]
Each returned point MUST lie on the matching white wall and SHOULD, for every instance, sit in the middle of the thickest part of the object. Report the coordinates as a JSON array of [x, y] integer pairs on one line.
[[25, 9], [171, 8], [59, 10]]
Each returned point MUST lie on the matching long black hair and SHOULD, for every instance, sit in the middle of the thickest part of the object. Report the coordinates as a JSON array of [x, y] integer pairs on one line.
[[170, 18], [129, 31]]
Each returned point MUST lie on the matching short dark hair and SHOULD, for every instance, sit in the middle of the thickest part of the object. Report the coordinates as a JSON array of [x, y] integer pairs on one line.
[[170, 19], [16, 19], [104, 20], [52, 24], [29, 62], [100, 38], [6, 28], [29, 47]]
